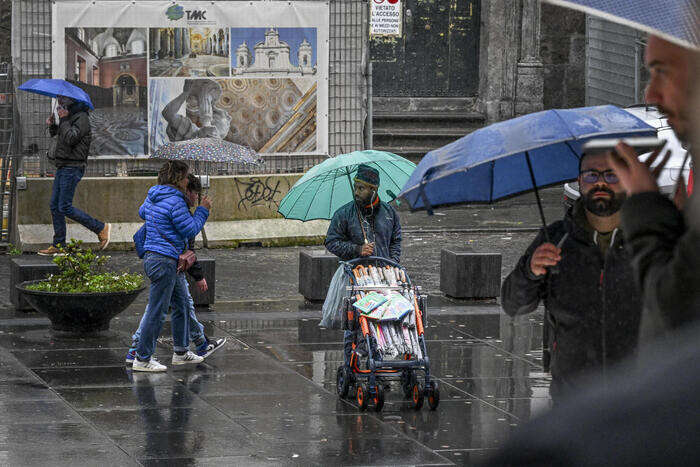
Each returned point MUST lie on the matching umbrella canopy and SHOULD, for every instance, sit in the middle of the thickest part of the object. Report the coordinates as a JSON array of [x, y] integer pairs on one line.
[[207, 150], [55, 88], [673, 20], [502, 159], [329, 185]]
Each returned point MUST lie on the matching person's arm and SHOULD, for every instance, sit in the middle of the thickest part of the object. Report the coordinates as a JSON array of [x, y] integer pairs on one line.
[[395, 243], [337, 240], [72, 132], [186, 224], [522, 290], [665, 257]]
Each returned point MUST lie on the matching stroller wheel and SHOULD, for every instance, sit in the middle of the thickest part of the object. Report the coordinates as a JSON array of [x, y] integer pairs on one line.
[[362, 396], [379, 398], [433, 395], [417, 396], [343, 377]]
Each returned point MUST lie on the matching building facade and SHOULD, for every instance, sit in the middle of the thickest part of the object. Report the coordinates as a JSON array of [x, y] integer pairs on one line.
[[273, 56]]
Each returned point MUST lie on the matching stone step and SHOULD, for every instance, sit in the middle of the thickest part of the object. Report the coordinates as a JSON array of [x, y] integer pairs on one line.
[[463, 121], [425, 137], [413, 154]]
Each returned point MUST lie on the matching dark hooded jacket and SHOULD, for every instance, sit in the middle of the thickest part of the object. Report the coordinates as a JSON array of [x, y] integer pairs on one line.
[[593, 302], [345, 238], [666, 259], [73, 137]]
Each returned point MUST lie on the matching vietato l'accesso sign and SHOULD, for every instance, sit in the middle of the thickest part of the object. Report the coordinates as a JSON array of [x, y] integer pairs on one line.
[[385, 18]]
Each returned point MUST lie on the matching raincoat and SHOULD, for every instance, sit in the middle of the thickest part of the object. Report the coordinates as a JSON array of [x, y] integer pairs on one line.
[[381, 225], [593, 301]]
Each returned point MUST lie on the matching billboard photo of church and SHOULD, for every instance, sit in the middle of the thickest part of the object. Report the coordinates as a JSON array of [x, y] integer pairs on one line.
[[189, 52], [270, 115], [273, 52], [110, 65]]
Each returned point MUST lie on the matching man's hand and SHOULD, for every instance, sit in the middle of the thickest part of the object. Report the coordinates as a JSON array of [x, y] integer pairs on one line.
[[206, 203], [367, 249], [637, 177], [62, 112], [202, 286], [50, 121], [681, 194], [545, 255]]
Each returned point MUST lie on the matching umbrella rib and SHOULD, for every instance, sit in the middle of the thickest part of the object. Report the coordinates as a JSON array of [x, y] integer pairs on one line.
[[314, 196], [330, 204], [390, 177]]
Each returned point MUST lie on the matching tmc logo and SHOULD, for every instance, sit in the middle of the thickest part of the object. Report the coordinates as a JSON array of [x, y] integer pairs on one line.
[[196, 14], [175, 12]]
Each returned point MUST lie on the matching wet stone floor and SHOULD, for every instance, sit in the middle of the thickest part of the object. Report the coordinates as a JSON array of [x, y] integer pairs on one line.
[[267, 398]]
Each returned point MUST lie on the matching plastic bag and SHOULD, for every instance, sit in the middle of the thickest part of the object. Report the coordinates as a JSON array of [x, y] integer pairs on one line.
[[332, 313]]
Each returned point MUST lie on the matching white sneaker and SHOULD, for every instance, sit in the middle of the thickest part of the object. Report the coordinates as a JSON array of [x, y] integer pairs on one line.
[[212, 347], [151, 365], [187, 358]]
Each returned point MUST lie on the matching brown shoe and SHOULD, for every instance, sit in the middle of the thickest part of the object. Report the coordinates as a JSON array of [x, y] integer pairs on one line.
[[50, 251], [103, 237]]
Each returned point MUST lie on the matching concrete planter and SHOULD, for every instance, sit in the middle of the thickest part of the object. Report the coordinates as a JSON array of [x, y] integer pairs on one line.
[[78, 313]]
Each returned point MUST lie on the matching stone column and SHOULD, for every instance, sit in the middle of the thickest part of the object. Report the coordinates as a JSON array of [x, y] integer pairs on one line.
[[530, 80], [178, 43], [186, 42], [156, 43]]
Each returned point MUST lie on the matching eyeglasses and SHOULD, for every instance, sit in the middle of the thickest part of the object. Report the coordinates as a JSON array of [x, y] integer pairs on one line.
[[592, 176]]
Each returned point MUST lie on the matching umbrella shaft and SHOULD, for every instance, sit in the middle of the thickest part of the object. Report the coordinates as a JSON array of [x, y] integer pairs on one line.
[[537, 196]]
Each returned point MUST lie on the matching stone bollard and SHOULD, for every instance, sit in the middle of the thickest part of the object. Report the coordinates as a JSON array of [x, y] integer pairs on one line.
[[209, 269], [28, 268], [316, 269], [465, 274]]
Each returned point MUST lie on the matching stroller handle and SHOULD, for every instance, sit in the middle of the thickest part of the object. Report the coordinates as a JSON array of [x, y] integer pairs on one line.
[[388, 261]]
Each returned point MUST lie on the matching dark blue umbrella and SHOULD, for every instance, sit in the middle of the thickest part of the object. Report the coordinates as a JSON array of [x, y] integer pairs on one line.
[[674, 20], [515, 156], [55, 88]]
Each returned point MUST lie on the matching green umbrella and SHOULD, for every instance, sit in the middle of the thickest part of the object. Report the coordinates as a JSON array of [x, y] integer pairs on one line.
[[329, 185]]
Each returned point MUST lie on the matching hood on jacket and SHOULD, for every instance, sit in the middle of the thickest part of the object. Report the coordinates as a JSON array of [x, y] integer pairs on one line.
[[78, 106], [160, 192], [581, 228]]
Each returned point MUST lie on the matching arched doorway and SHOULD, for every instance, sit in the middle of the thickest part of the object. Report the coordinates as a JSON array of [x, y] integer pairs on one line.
[[126, 91]]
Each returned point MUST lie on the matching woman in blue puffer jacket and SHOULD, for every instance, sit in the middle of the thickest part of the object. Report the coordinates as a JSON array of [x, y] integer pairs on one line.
[[169, 225]]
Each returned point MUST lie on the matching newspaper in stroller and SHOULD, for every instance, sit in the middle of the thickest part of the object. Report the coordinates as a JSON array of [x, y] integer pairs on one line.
[[386, 313]]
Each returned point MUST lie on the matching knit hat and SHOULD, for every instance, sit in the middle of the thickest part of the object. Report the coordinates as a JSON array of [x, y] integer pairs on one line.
[[368, 175]]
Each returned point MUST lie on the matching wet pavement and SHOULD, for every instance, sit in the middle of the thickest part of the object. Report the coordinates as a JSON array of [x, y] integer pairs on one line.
[[269, 397]]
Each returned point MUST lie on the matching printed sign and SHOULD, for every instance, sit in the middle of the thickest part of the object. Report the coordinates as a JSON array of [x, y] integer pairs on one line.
[[385, 18], [251, 73]]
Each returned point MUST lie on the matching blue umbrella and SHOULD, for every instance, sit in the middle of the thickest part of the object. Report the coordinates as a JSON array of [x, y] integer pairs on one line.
[[674, 20], [515, 156], [55, 88]]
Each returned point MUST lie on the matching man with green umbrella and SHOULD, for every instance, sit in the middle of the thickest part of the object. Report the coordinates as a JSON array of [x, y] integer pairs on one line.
[[365, 226]]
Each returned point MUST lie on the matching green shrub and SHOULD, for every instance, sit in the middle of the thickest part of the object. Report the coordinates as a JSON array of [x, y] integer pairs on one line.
[[81, 271], [13, 250]]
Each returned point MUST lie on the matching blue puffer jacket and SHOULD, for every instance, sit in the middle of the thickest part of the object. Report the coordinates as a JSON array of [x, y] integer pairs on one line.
[[166, 214]]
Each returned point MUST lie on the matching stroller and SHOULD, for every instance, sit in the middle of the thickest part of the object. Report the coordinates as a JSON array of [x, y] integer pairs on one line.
[[385, 349]]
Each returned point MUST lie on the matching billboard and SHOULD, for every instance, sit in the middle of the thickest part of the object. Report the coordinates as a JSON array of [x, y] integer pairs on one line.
[[253, 73]]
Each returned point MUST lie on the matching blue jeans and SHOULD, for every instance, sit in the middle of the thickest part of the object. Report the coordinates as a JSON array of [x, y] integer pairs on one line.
[[195, 327], [64, 184], [168, 289]]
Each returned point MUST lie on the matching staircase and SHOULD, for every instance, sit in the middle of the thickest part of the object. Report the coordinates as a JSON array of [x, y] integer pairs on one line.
[[413, 134]]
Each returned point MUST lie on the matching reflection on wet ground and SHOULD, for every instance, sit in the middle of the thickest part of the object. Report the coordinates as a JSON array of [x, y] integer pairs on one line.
[[267, 398]]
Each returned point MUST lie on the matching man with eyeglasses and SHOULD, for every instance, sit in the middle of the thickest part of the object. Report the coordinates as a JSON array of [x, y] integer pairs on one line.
[[585, 279]]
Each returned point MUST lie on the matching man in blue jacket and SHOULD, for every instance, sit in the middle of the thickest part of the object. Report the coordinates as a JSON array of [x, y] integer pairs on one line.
[[365, 226]]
